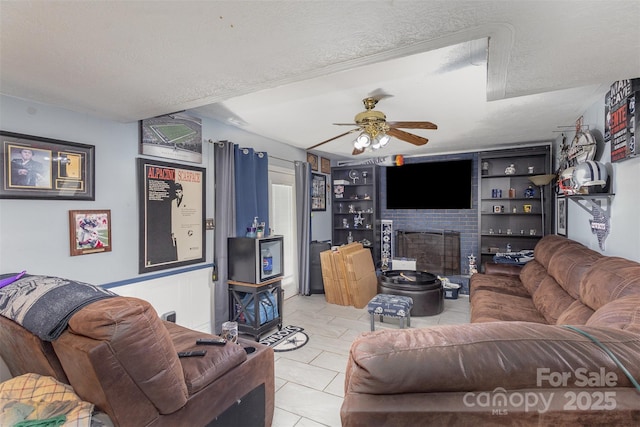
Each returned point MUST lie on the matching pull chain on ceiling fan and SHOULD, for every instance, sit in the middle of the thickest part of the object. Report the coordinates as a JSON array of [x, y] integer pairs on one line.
[[375, 131]]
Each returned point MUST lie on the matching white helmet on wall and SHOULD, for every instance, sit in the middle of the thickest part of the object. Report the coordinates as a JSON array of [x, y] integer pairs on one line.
[[565, 181], [589, 174]]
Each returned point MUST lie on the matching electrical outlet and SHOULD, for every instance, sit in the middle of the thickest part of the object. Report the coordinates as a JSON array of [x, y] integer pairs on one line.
[[169, 317]]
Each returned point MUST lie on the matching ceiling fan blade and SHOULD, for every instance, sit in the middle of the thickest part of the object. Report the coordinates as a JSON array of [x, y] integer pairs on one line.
[[331, 139], [379, 94], [413, 125], [357, 151], [408, 137]]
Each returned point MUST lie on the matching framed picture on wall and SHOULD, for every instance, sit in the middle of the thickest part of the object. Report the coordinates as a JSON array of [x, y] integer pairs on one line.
[[172, 215], [173, 136], [318, 192], [43, 168], [561, 216], [89, 231], [325, 165], [313, 161]]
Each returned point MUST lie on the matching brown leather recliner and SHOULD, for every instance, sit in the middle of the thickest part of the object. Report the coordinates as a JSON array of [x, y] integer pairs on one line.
[[118, 354]]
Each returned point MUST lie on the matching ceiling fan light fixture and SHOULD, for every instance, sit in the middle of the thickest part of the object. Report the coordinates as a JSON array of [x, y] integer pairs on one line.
[[384, 140], [362, 141]]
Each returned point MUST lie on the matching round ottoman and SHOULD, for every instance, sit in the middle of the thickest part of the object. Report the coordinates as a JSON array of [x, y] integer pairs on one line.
[[425, 289]]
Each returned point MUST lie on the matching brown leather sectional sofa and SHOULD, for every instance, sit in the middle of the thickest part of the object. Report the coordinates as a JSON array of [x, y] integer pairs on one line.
[[517, 362], [118, 354]]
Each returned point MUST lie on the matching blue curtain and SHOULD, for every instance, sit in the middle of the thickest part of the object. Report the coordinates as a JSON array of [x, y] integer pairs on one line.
[[252, 188]]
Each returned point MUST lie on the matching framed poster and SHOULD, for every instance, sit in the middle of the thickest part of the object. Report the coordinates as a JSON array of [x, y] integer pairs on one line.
[[173, 136], [313, 161], [42, 168], [561, 216], [89, 231], [325, 165], [318, 192], [172, 201]]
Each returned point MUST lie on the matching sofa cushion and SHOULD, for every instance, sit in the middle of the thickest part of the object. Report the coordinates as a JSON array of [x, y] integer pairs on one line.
[[550, 246], [623, 313], [134, 332], [486, 306], [531, 275], [569, 265], [499, 283], [475, 357], [201, 371], [608, 279], [576, 314], [551, 300]]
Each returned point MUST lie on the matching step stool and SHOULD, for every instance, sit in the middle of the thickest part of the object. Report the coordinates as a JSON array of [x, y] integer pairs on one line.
[[390, 306]]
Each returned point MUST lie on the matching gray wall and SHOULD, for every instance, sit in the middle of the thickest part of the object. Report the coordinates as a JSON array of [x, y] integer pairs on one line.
[[34, 234]]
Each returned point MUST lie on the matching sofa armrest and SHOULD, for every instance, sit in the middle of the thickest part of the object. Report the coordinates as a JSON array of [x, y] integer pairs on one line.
[[473, 357], [497, 268]]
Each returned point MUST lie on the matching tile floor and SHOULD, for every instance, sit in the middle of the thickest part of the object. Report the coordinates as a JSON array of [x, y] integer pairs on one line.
[[310, 381]]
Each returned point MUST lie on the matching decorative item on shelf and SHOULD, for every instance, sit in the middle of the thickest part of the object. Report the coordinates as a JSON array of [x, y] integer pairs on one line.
[[491, 231], [340, 207], [530, 169], [345, 223], [366, 197], [526, 208], [354, 175], [364, 177], [357, 220], [485, 168], [338, 191], [532, 232], [350, 238], [496, 193], [514, 210], [512, 193], [473, 268], [510, 170], [530, 192], [352, 209], [508, 247], [509, 231]]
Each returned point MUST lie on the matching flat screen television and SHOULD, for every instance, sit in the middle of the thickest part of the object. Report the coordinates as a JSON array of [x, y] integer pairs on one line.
[[430, 185]]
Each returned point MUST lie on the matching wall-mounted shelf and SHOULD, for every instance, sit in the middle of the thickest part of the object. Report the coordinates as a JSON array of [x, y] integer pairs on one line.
[[589, 201]]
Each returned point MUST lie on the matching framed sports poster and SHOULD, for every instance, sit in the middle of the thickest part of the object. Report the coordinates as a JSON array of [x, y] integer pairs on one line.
[[561, 216], [43, 168], [172, 215], [89, 231], [173, 136], [318, 192]]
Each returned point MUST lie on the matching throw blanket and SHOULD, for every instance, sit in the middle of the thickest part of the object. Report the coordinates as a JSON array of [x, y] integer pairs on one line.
[[43, 305], [32, 399], [519, 258]]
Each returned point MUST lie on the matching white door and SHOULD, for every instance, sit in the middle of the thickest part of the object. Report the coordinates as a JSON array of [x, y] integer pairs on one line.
[[282, 219]]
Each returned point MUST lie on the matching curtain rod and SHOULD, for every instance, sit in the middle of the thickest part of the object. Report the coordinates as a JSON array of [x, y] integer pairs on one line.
[[273, 157]]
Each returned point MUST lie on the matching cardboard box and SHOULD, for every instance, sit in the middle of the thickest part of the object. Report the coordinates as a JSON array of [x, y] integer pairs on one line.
[[403, 264], [362, 281], [331, 291], [348, 275], [339, 258]]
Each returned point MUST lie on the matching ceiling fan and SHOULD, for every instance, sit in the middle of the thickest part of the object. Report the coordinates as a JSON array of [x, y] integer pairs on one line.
[[375, 130]]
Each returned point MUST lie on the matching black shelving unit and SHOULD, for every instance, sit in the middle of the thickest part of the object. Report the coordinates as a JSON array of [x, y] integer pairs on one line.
[[257, 307], [510, 211], [355, 206]]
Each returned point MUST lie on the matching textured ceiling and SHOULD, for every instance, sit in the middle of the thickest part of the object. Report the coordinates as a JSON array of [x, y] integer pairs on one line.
[[289, 69]]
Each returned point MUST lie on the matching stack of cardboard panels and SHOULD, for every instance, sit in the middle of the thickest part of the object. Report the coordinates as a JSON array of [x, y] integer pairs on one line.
[[349, 275]]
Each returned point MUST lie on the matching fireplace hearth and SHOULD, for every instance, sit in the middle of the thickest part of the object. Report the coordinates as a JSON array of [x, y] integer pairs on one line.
[[437, 252]]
